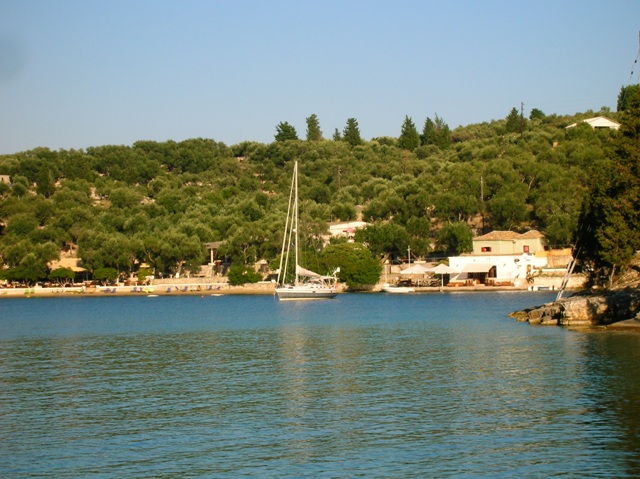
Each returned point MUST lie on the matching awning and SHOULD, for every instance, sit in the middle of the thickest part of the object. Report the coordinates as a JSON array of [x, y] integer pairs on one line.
[[442, 269], [415, 269], [477, 267]]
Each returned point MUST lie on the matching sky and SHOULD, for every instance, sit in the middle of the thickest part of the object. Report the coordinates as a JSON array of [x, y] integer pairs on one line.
[[81, 73]]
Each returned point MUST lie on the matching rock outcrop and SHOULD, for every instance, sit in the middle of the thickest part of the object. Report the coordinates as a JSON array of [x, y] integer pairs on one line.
[[586, 309]]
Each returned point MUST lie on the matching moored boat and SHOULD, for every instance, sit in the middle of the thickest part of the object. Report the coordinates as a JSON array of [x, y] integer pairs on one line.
[[394, 288], [304, 284]]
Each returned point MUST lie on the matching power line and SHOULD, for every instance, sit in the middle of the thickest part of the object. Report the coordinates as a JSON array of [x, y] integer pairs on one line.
[[635, 63]]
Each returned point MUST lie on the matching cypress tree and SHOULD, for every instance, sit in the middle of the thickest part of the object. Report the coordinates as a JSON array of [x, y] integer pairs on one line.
[[351, 132], [313, 128], [513, 121], [409, 138]]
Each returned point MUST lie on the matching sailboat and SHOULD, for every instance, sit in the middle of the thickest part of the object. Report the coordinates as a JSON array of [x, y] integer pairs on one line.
[[303, 284]]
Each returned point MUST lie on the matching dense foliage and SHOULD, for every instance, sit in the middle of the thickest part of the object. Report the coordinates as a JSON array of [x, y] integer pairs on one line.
[[358, 268], [158, 203], [610, 223], [240, 274]]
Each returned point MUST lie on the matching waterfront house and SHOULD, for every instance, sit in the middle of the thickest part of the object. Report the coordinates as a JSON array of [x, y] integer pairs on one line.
[[509, 242], [507, 258]]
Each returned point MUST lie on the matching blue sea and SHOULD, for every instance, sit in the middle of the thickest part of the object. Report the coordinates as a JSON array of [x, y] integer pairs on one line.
[[440, 385]]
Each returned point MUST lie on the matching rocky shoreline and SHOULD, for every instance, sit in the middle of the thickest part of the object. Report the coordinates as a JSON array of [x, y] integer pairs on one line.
[[603, 309]]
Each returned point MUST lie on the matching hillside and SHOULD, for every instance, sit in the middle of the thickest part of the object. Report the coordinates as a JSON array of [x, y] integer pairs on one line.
[[157, 203]]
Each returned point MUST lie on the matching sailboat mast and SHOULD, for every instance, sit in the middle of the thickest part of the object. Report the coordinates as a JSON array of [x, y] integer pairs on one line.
[[288, 233], [295, 212]]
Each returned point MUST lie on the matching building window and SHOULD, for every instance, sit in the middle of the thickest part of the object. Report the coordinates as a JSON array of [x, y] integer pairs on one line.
[[486, 249], [525, 249]]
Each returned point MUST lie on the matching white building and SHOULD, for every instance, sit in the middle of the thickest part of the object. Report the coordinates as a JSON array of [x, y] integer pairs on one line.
[[510, 242], [500, 269], [504, 257], [599, 122], [347, 229]]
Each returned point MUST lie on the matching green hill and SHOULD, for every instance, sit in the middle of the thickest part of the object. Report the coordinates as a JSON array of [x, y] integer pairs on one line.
[[159, 202]]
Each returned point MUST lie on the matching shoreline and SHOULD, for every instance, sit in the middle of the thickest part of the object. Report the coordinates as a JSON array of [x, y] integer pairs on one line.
[[223, 289], [602, 309]]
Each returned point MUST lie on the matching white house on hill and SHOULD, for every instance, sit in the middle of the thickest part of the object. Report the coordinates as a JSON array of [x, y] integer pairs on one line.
[[347, 229], [599, 122]]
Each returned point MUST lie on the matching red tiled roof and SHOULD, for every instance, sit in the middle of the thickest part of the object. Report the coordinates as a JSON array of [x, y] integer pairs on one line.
[[498, 236], [509, 235], [531, 234]]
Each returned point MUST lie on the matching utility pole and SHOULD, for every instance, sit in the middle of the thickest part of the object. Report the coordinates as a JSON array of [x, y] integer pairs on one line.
[[339, 177], [635, 63], [521, 120], [482, 199]]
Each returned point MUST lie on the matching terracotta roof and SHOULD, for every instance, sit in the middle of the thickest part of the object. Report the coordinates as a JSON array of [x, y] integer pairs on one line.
[[508, 236], [498, 236], [531, 234]]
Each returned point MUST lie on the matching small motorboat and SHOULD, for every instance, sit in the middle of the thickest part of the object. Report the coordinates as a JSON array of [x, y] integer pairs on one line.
[[397, 288]]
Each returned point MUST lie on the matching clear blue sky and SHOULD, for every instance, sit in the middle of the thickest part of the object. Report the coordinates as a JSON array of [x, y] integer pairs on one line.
[[79, 73]]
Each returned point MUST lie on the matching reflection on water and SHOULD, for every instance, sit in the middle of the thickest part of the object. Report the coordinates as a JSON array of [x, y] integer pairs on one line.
[[366, 385]]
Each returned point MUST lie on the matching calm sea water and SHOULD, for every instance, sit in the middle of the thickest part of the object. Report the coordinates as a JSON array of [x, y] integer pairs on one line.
[[434, 385]]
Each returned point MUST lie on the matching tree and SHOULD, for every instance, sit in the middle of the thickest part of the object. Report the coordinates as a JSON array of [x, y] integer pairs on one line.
[[556, 210], [625, 95], [443, 133], [418, 228], [536, 114], [508, 207], [455, 238], [62, 275], [351, 133], [515, 122], [409, 138], [358, 268], [436, 133], [29, 262], [609, 227], [102, 249], [45, 185], [313, 128], [428, 132], [19, 186], [284, 132], [30, 270], [386, 238], [242, 274], [178, 250], [105, 275]]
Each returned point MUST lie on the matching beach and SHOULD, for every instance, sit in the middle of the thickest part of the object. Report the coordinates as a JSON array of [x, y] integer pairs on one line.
[[146, 290]]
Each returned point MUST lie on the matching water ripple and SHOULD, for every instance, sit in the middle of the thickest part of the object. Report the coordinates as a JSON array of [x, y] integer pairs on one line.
[[425, 392]]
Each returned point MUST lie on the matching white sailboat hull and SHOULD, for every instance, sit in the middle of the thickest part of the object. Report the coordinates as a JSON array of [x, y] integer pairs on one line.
[[305, 292]]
